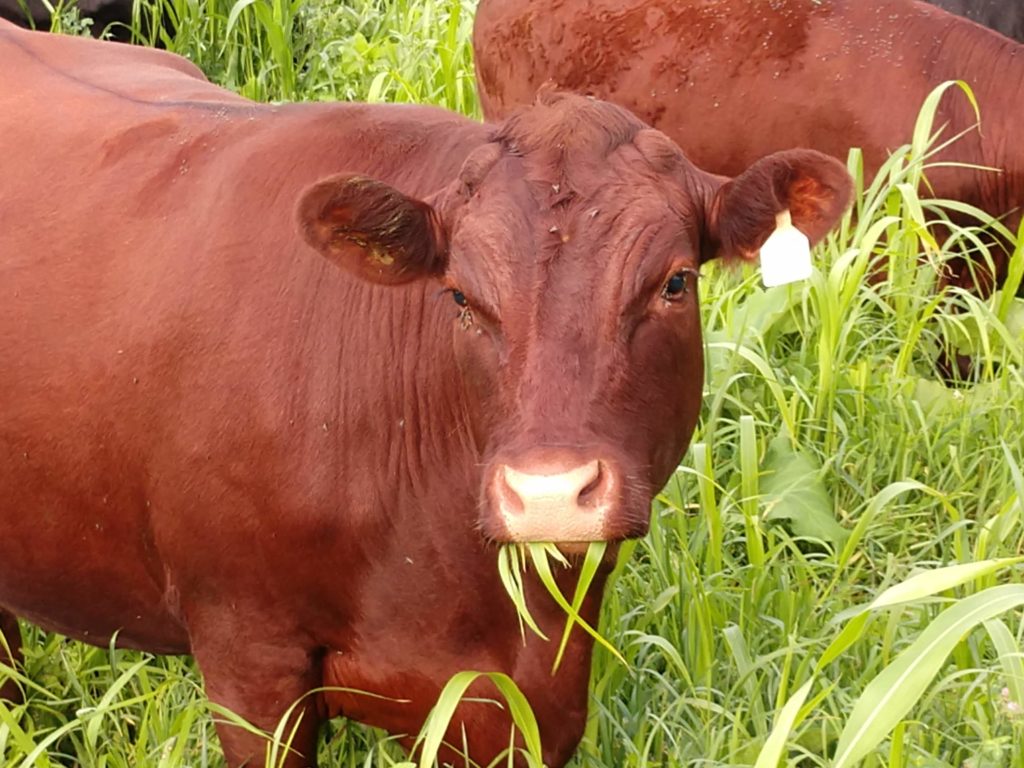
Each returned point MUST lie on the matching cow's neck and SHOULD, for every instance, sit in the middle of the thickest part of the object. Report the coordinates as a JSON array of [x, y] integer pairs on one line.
[[424, 439]]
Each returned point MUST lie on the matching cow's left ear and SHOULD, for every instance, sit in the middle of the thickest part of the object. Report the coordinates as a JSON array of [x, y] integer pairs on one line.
[[814, 188], [373, 230]]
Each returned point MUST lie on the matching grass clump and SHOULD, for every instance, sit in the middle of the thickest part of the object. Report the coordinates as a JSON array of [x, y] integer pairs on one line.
[[290, 50], [313, 50]]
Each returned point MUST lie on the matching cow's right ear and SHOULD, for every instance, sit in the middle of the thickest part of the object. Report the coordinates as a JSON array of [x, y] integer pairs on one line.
[[373, 230]]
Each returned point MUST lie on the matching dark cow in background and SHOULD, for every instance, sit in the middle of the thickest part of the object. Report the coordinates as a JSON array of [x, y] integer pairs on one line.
[[734, 80], [278, 379], [1004, 16], [113, 16]]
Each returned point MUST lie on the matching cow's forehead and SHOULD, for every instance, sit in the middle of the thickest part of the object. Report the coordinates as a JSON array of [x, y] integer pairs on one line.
[[525, 210], [515, 246]]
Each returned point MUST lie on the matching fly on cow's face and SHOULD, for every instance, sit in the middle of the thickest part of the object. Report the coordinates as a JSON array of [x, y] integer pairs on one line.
[[678, 285]]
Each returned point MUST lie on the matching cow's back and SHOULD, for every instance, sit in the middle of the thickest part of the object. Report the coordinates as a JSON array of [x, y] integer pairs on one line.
[[726, 80], [731, 81]]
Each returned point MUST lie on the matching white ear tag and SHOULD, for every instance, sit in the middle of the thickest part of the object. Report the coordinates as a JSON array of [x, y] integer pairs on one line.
[[786, 254]]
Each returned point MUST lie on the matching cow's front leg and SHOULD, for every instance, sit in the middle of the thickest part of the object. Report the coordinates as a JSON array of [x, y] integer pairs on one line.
[[259, 676], [10, 653]]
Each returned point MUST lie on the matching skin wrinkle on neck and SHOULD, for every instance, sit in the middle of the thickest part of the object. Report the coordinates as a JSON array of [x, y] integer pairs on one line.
[[423, 407], [431, 405]]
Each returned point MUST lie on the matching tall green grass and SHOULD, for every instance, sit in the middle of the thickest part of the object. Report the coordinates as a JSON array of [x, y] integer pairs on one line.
[[308, 50], [830, 577], [288, 50]]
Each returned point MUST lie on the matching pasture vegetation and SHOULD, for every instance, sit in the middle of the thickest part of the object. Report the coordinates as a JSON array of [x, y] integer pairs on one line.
[[831, 464]]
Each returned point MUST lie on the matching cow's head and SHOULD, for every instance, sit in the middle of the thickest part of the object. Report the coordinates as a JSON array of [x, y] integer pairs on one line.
[[571, 246]]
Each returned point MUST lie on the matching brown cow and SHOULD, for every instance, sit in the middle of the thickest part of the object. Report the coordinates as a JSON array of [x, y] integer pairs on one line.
[[277, 379], [733, 80]]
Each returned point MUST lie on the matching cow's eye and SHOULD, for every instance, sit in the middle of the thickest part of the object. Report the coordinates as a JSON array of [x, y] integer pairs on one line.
[[460, 299], [677, 285]]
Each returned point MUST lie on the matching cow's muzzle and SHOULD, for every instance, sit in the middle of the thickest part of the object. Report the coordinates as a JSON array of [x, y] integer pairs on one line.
[[565, 499]]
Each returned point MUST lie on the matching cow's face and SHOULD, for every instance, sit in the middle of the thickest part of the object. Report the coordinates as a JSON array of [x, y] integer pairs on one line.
[[570, 248]]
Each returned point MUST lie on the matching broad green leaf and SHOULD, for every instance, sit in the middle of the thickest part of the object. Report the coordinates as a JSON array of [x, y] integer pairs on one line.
[[21, 739], [794, 493], [761, 310], [522, 714], [849, 634], [376, 90], [917, 587], [440, 716], [236, 11], [922, 136], [931, 582], [1014, 276], [749, 476], [895, 690]]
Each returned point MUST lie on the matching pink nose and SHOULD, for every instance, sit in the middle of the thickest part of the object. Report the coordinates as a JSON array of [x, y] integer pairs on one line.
[[553, 503]]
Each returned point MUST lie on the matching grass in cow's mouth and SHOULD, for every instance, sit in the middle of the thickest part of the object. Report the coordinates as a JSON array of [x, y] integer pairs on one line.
[[512, 564]]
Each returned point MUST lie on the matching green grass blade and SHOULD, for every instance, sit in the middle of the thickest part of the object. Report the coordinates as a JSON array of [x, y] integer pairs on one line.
[[592, 561], [892, 694], [1011, 657], [432, 735], [236, 11], [775, 745], [539, 557], [510, 571], [936, 580]]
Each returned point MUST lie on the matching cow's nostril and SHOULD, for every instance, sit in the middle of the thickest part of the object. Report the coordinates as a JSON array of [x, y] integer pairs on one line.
[[508, 499], [591, 493]]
